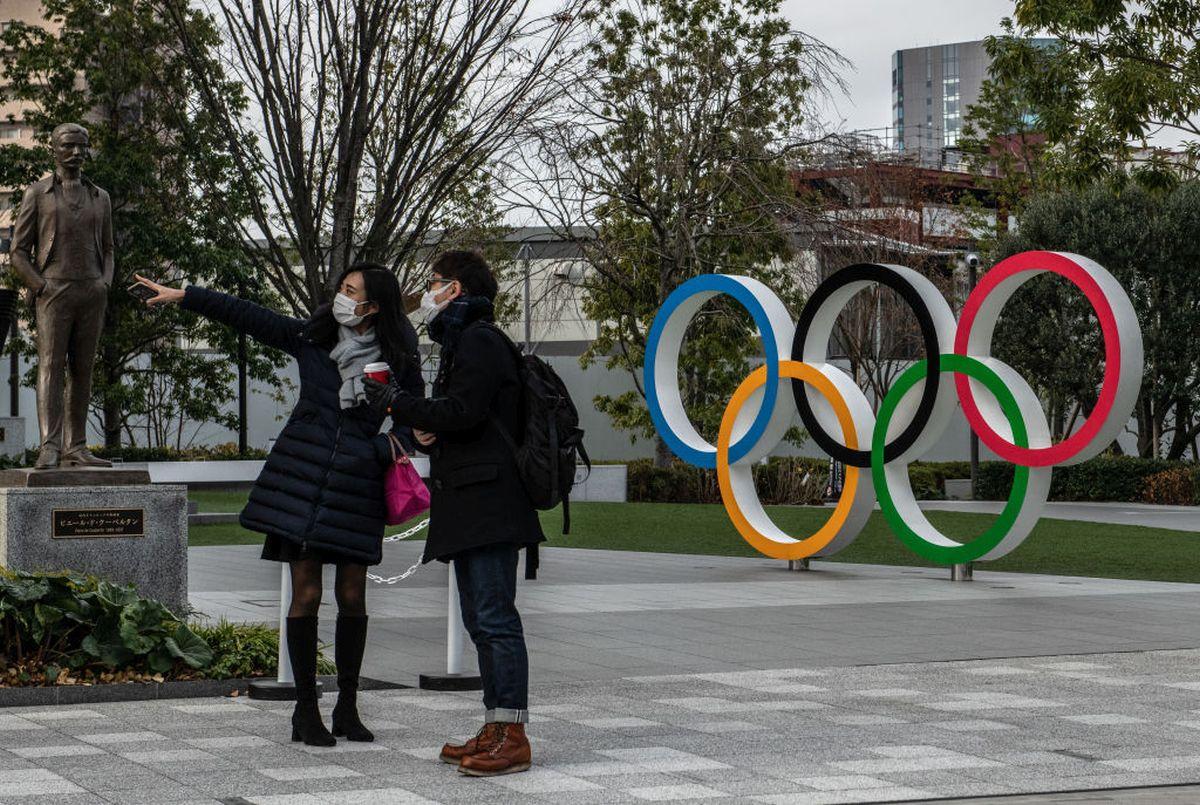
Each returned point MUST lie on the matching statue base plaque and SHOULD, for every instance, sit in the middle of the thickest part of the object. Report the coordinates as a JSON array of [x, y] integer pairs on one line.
[[131, 534]]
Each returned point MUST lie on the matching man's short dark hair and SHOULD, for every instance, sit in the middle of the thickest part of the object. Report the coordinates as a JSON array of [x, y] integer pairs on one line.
[[471, 271], [64, 129]]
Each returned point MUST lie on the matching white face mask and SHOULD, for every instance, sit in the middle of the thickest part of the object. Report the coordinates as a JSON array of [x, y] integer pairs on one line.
[[430, 306], [343, 310]]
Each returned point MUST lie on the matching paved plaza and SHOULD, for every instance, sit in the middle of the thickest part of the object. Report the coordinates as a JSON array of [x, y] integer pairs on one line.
[[663, 678]]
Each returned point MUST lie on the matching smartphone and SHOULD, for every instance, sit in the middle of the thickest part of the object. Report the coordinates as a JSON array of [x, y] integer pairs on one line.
[[141, 291]]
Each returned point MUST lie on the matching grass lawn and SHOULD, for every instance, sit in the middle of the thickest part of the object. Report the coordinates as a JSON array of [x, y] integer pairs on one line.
[[1056, 546]]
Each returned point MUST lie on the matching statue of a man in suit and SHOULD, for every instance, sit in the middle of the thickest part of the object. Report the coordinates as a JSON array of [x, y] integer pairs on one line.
[[63, 251]]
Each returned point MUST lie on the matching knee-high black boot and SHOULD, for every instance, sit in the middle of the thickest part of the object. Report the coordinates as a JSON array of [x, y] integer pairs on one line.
[[302, 649], [348, 644]]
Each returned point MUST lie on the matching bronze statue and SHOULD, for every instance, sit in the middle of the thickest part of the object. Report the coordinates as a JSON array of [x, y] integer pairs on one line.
[[63, 251]]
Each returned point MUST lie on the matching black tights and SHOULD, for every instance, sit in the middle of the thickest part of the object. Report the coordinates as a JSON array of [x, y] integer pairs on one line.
[[349, 587]]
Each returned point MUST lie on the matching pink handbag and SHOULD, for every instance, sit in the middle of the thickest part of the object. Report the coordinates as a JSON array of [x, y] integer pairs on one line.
[[403, 490]]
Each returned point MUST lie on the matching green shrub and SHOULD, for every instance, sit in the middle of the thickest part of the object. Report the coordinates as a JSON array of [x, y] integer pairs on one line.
[[67, 628], [782, 480], [1178, 486], [1121, 479], [220, 452], [243, 650], [71, 626]]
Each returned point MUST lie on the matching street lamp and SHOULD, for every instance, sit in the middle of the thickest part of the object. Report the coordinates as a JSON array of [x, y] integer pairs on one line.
[[972, 278], [523, 254]]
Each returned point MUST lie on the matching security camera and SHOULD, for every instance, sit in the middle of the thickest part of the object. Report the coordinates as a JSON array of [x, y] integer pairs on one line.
[[972, 259]]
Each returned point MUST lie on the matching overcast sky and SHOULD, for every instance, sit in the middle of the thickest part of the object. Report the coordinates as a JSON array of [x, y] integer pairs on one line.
[[867, 32]]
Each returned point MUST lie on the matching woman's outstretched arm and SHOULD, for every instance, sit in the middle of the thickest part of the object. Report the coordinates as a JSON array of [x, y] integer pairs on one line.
[[260, 323]]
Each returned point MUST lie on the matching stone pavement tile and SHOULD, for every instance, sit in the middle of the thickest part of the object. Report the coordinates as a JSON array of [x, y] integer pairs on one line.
[[663, 759], [973, 725], [725, 727], [67, 750], [1104, 719], [1153, 764], [286, 799], [15, 781], [541, 781], [933, 763], [374, 796], [158, 795], [15, 722], [193, 758], [233, 743], [65, 714], [118, 782], [106, 738], [843, 782], [625, 723], [832, 797], [675, 793], [83, 798], [308, 772]]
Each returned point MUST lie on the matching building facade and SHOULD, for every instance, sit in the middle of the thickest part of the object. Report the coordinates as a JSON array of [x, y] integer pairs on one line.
[[931, 89], [13, 128]]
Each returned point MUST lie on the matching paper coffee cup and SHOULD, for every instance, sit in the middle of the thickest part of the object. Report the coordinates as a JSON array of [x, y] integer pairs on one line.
[[377, 371]]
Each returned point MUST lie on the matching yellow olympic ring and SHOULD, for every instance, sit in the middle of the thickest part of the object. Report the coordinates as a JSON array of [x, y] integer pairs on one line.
[[741, 474]]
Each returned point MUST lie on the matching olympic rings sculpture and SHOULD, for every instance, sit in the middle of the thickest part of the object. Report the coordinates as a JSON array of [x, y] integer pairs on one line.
[[914, 414]]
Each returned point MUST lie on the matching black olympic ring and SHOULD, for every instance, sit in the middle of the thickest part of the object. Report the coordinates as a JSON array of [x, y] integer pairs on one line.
[[869, 272]]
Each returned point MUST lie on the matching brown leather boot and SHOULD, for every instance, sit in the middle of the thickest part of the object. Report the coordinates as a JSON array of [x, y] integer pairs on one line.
[[454, 753], [508, 754]]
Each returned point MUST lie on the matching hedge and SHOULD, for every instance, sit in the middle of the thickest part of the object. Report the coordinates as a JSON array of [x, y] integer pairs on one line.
[[220, 452], [1122, 479], [801, 481], [782, 481]]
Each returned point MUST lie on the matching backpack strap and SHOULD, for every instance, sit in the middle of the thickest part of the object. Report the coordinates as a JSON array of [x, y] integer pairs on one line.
[[518, 357], [532, 560]]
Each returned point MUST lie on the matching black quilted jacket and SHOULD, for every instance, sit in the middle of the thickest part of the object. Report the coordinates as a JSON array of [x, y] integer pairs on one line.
[[323, 480]]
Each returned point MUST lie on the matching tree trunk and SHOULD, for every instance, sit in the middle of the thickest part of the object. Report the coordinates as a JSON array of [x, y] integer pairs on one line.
[[662, 453], [112, 407]]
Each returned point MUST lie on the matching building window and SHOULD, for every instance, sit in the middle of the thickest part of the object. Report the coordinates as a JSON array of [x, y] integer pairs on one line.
[[951, 113], [10, 132]]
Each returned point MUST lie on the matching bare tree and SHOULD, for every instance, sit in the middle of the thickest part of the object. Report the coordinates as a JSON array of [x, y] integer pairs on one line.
[[667, 159], [368, 124], [874, 210]]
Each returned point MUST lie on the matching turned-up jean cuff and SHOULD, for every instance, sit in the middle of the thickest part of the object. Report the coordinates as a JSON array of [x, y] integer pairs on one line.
[[502, 715]]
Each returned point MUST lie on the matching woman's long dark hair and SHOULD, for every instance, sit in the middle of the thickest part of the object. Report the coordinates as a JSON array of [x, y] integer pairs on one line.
[[395, 333]]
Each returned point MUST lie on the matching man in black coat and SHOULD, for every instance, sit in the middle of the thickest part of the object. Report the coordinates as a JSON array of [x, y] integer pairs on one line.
[[480, 514]]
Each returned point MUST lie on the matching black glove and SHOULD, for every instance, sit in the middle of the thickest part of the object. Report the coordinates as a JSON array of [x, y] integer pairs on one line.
[[381, 396]]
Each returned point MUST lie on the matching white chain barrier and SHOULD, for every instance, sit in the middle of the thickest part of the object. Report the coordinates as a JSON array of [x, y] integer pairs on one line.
[[405, 534]]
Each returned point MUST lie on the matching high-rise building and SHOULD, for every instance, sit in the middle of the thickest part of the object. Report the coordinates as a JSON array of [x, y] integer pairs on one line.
[[932, 87]]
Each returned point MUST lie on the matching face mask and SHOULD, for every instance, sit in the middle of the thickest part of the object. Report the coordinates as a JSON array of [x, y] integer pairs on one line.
[[343, 310], [430, 306]]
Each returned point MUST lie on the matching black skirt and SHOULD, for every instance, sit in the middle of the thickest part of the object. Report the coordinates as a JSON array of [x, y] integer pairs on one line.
[[278, 549]]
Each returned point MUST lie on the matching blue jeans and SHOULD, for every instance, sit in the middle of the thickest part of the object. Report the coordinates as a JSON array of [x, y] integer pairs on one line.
[[487, 591]]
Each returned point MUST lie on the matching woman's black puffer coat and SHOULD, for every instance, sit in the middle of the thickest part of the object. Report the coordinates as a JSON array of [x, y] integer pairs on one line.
[[322, 484]]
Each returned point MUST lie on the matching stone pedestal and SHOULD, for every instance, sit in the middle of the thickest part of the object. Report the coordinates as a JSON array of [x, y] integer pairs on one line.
[[126, 533], [12, 436]]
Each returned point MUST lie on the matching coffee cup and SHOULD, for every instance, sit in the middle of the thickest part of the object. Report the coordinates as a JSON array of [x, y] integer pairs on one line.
[[378, 371]]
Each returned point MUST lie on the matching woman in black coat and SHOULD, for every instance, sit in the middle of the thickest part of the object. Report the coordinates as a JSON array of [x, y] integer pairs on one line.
[[319, 499], [480, 514]]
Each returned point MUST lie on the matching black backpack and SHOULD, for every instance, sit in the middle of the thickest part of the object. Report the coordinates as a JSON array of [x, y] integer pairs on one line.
[[552, 443]]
